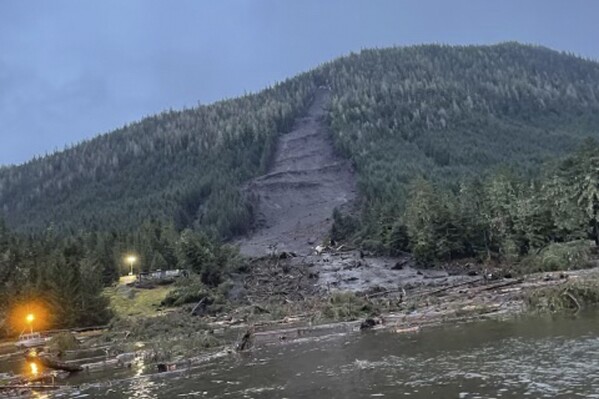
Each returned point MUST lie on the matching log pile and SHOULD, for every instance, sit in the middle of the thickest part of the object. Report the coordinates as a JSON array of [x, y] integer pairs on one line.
[[279, 280]]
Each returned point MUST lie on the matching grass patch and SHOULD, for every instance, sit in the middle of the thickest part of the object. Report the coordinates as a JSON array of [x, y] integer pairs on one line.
[[572, 296], [139, 303]]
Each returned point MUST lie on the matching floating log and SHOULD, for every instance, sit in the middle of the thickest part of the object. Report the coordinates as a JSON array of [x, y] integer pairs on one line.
[[407, 330], [53, 363], [103, 365], [29, 387]]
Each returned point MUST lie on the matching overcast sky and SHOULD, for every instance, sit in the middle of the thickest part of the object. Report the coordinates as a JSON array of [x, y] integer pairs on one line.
[[70, 70]]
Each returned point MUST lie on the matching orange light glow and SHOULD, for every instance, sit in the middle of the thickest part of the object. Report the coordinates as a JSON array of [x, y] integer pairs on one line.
[[33, 368], [29, 315]]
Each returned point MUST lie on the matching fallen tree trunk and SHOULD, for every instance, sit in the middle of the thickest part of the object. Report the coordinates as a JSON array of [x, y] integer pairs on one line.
[[53, 363], [504, 284], [28, 387], [449, 287]]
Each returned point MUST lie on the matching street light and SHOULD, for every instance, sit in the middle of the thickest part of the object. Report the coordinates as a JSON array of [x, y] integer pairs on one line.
[[131, 259], [30, 318]]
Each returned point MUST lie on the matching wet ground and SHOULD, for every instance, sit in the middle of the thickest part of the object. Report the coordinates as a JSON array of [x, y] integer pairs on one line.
[[306, 182], [301, 277]]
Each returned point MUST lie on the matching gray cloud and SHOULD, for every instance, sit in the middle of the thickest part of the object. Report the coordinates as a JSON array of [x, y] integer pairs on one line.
[[70, 69]]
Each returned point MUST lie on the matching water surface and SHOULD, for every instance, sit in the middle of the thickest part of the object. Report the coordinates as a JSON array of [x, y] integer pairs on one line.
[[529, 357]]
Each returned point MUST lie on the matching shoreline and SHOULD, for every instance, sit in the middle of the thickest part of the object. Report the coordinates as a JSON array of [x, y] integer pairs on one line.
[[402, 312]]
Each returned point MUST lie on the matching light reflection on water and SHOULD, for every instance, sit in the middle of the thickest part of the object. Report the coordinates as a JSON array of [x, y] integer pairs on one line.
[[523, 358]]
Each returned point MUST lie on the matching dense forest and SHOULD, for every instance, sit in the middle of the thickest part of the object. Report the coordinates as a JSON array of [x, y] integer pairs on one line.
[[456, 151], [542, 223], [437, 111], [450, 113], [68, 274]]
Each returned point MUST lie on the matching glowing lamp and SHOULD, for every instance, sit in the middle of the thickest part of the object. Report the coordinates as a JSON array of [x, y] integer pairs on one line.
[[34, 369], [131, 259]]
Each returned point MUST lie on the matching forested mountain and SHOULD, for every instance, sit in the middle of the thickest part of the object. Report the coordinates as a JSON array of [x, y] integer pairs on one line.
[[440, 112], [449, 112], [454, 147]]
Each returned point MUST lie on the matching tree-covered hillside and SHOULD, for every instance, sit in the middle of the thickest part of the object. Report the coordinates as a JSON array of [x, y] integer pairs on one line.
[[435, 111], [447, 113], [184, 166]]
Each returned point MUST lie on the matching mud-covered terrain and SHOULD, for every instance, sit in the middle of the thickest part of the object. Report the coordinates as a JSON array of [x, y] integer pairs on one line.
[[288, 278], [296, 199], [306, 182]]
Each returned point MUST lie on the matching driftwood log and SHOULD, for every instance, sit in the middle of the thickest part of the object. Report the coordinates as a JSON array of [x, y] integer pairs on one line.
[[52, 363]]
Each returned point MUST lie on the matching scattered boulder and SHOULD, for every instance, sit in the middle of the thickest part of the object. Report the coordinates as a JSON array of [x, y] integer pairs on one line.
[[287, 255], [367, 324], [370, 322], [125, 359], [399, 265], [162, 368]]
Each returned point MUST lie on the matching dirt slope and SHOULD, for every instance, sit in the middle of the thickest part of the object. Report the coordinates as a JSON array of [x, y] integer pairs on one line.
[[306, 182]]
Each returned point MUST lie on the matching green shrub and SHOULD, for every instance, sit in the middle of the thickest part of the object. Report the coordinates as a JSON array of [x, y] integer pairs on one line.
[[63, 342], [374, 246], [193, 290], [559, 256], [344, 226], [183, 295], [346, 306]]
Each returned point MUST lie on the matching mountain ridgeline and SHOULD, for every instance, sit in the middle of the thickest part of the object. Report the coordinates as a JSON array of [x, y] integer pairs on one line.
[[444, 113]]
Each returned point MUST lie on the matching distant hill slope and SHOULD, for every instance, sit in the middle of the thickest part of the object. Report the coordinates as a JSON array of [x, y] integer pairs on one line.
[[441, 111], [182, 165]]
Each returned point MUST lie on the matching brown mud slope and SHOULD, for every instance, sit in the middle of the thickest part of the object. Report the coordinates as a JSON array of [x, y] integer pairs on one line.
[[306, 182]]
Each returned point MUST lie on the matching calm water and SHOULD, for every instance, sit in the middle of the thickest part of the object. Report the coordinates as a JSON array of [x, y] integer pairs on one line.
[[536, 358]]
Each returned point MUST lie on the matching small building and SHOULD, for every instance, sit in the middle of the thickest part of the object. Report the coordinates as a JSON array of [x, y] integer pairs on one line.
[[161, 275]]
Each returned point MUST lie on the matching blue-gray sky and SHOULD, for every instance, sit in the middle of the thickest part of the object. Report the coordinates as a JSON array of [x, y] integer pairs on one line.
[[70, 70]]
